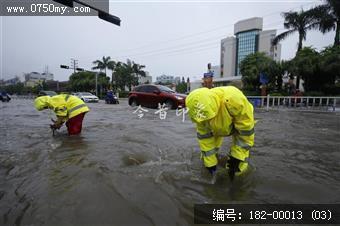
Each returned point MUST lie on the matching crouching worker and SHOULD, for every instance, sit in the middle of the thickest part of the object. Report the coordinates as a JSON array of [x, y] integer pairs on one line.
[[68, 108], [220, 112]]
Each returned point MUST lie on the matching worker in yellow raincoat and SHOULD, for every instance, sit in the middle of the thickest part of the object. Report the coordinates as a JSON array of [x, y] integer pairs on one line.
[[220, 112], [68, 108]]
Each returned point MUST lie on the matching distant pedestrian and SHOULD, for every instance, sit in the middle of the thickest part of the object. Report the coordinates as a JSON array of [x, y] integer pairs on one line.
[[68, 108], [208, 80]]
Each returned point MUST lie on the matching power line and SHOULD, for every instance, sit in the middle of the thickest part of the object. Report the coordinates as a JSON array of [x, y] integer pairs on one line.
[[208, 31], [154, 53], [211, 39]]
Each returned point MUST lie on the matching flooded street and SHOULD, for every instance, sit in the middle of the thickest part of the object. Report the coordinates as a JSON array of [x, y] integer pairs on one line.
[[126, 170]]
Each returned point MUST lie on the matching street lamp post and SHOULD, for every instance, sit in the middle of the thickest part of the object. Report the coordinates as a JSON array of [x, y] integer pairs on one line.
[[96, 83]]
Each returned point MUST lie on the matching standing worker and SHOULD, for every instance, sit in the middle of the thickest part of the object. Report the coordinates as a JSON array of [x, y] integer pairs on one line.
[[220, 112], [208, 80], [68, 108]]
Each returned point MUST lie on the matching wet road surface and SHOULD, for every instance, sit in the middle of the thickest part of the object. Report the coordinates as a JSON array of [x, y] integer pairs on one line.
[[126, 170]]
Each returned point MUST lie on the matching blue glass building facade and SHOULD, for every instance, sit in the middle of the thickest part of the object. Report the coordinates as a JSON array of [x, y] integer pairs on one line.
[[247, 42]]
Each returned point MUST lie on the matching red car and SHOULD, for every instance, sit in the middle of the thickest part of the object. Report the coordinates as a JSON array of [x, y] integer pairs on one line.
[[152, 95]]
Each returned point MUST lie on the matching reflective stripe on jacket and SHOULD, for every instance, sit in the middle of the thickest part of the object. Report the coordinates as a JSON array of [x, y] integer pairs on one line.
[[220, 112], [67, 105]]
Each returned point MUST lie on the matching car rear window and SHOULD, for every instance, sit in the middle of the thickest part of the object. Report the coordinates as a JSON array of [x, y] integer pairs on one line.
[[138, 88], [166, 89], [142, 89], [150, 89]]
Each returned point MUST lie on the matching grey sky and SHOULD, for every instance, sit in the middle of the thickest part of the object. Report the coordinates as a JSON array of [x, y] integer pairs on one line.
[[173, 37]]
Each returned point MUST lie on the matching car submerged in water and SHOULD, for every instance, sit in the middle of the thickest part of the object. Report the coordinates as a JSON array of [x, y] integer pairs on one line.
[[87, 97], [153, 95]]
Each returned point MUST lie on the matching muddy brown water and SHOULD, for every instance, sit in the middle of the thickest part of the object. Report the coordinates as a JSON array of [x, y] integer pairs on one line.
[[126, 170]]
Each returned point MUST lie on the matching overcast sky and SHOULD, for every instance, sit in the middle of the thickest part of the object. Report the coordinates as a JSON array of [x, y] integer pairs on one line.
[[174, 37]]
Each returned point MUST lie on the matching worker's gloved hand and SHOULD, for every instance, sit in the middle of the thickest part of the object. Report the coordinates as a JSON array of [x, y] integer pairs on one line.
[[211, 169], [55, 126], [233, 164]]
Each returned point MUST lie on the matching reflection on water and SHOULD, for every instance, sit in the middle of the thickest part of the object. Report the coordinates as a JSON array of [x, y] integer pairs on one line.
[[125, 170]]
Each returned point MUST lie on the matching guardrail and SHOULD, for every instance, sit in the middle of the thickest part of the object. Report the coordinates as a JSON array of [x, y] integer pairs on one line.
[[295, 102], [276, 102]]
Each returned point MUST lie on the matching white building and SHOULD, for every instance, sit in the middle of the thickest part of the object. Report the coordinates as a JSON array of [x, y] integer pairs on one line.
[[147, 79], [168, 79], [216, 70], [34, 78], [249, 38]]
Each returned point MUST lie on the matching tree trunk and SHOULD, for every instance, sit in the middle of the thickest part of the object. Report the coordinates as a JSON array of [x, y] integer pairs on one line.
[[298, 82], [337, 34], [300, 43], [298, 76]]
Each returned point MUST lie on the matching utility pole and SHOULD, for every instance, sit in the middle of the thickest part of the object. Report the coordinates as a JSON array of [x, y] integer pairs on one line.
[[96, 83], [74, 64]]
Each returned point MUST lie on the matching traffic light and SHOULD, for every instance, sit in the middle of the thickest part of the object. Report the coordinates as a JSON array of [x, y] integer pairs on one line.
[[109, 18], [68, 3], [64, 66], [80, 69]]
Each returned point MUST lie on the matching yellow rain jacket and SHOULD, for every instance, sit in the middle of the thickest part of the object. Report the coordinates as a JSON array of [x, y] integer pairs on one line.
[[63, 105], [219, 112]]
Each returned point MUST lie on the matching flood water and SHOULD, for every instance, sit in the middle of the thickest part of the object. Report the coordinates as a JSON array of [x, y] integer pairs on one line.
[[126, 170]]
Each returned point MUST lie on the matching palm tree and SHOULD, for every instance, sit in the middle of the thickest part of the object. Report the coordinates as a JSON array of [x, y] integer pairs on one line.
[[112, 65], [106, 63], [138, 69], [133, 70], [299, 22], [328, 18]]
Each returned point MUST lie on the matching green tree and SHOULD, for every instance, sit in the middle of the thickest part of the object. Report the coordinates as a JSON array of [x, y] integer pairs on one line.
[[105, 63], [112, 66], [306, 62], [126, 74], [18, 88], [318, 70], [257, 63], [330, 66], [86, 81], [120, 76], [299, 22], [330, 62], [181, 87], [328, 18]]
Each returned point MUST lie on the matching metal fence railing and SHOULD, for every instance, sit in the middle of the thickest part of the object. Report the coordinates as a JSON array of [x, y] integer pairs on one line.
[[295, 102], [276, 102]]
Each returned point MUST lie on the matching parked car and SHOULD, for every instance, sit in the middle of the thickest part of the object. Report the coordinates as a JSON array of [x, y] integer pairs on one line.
[[87, 97], [47, 93], [152, 95]]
